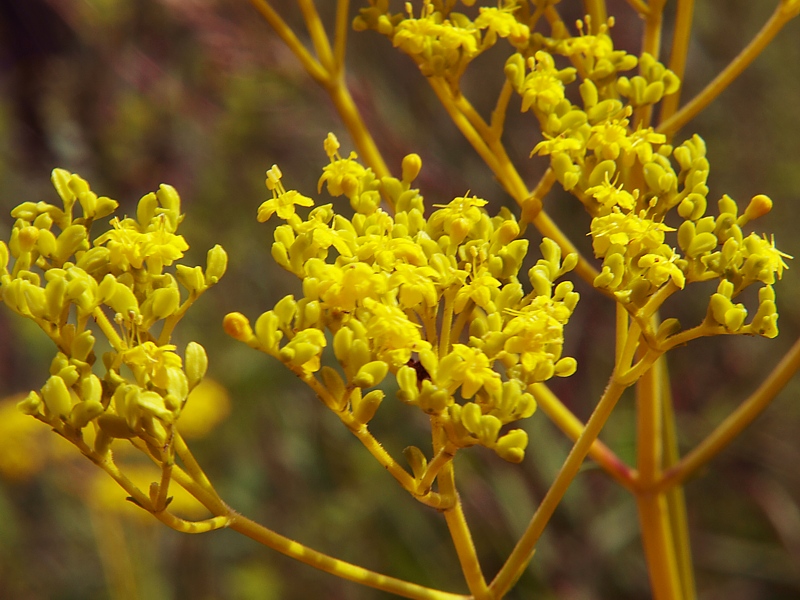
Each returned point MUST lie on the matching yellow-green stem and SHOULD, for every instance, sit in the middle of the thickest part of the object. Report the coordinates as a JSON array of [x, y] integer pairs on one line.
[[319, 38], [443, 456], [351, 117], [732, 426], [457, 524], [565, 420], [596, 9], [651, 43], [310, 64], [640, 7], [658, 545], [340, 33], [677, 58], [676, 499], [523, 551], [654, 515], [337, 567], [762, 39]]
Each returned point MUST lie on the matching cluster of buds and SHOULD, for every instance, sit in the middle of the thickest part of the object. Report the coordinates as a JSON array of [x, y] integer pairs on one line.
[[434, 302], [62, 277]]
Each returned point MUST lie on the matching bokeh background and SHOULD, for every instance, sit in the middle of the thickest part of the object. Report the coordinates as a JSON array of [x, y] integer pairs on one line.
[[202, 95]]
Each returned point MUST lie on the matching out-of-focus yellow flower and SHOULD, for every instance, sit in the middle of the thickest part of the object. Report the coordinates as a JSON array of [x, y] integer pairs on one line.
[[207, 406], [23, 442]]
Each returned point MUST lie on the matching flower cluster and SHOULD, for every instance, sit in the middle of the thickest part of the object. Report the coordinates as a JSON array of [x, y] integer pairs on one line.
[[434, 301], [625, 173], [443, 43], [629, 179], [62, 277]]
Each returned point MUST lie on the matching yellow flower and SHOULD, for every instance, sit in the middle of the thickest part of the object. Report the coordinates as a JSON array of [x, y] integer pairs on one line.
[[393, 336], [125, 243], [661, 269], [415, 285], [609, 196], [208, 405], [763, 261], [456, 218], [345, 287], [635, 233], [468, 368], [502, 22], [481, 288], [161, 247], [282, 202], [543, 88]]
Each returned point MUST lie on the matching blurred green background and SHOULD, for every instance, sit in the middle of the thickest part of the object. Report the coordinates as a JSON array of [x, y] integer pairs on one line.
[[202, 95]]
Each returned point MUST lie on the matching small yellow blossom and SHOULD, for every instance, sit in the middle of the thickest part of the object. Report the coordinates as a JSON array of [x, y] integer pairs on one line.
[[282, 202], [469, 369]]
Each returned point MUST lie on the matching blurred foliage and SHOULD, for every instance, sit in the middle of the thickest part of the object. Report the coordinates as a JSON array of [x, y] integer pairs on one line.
[[202, 95]]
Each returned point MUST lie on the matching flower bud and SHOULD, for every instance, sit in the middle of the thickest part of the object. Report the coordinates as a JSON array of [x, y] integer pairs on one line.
[[759, 206], [164, 302], [488, 429], [566, 367], [238, 327], [412, 164], [471, 417], [416, 460], [191, 278], [216, 264], [432, 399], [122, 300], [69, 241], [196, 363], [371, 374], [701, 244], [91, 389], [334, 384], [31, 404], [152, 403], [342, 341], [285, 310], [267, 331], [668, 328], [83, 412], [511, 446], [114, 426], [46, 242], [364, 408], [407, 382], [82, 346], [146, 209], [57, 397]]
